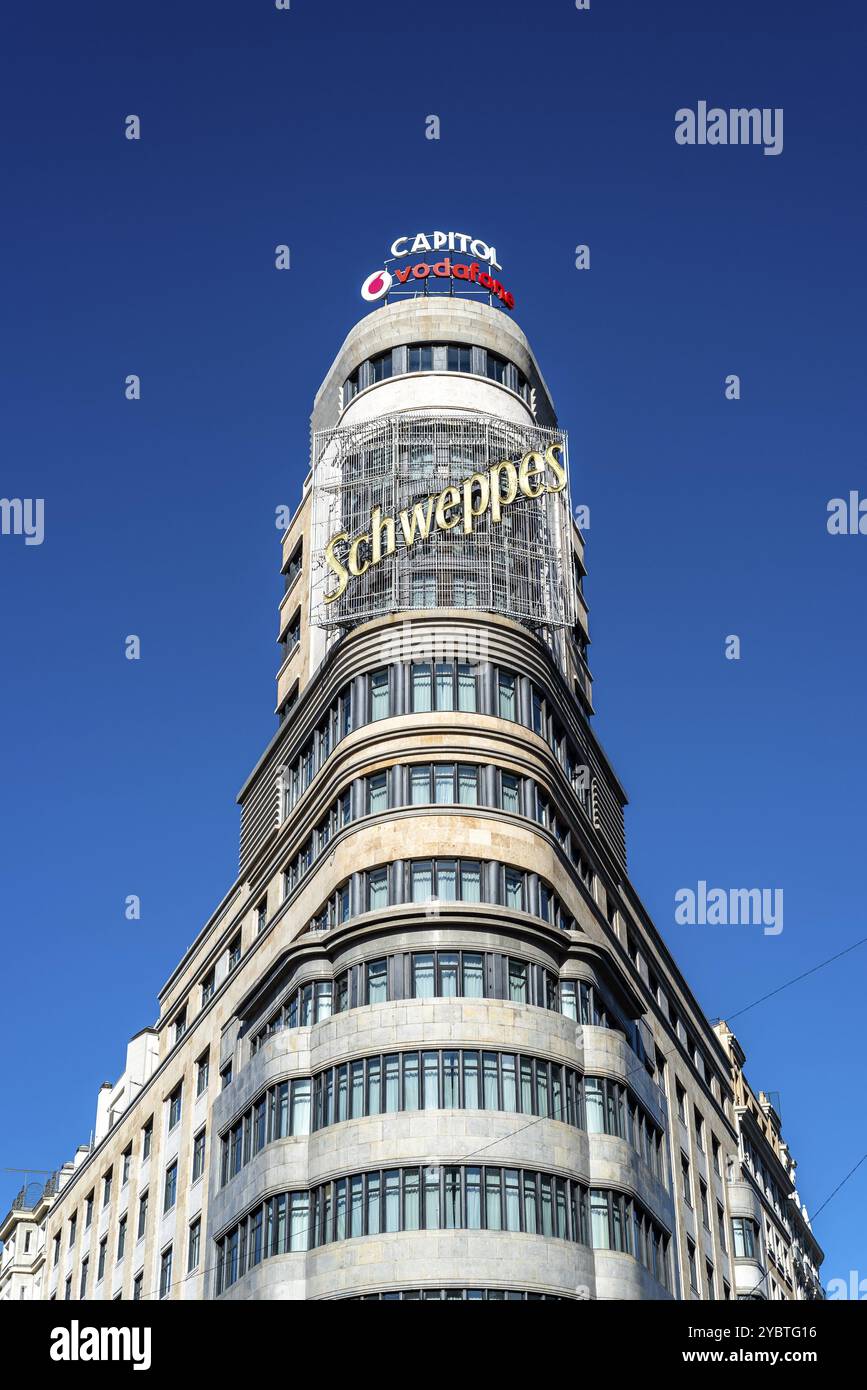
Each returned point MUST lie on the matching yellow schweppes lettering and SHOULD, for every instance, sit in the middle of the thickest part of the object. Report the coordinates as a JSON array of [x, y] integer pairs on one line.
[[457, 505]]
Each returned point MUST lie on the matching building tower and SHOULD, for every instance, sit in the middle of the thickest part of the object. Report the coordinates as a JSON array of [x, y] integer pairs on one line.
[[430, 1044]]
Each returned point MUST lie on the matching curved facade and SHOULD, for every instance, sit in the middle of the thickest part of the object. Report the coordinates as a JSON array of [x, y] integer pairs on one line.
[[430, 1045]]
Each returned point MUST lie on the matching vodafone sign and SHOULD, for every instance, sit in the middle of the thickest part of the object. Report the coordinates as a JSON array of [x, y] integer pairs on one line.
[[476, 273], [376, 286]]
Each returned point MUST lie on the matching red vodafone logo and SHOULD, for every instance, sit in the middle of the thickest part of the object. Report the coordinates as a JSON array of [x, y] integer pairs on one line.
[[376, 285]]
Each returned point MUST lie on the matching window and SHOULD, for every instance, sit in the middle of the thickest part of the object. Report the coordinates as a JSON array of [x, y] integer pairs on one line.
[[693, 1272], [106, 1191], [744, 1232], [171, 1188], [261, 917], [377, 793], [708, 1269], [377, 982], [203, 1069], [687, 1186], [121, 1237], [443, 685], [496, 368], [100, 1261], [459, 358], [235, 953], [681, 1101], [194, 1244], [226, 1076], [198, 1155], [420, 358], [126, 1164], [88, 1210], [699, 1131], [142, 1215], [136, 1288], [82, 1287], [165, 1272], [702, 1198], [507, 696], [180, 1024], [207, 987], [377, 889], [716, 1152], [721, 1226], [518, 981], [56, 1255], [68, 1289], [380, 695], [175, 1105]]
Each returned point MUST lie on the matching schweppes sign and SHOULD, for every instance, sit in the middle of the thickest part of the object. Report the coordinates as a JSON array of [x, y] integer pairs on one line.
[[461, 505]]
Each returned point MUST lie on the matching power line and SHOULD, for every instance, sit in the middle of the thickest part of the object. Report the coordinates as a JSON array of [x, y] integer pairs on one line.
[[812, 971]]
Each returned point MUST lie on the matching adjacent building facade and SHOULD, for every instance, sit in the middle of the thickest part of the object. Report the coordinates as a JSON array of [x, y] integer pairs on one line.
[[430, 1044]]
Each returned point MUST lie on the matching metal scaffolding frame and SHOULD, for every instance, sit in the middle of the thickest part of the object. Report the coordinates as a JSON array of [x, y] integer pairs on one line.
[[519, 567]]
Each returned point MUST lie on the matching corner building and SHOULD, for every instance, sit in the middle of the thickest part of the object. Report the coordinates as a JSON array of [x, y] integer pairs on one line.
[[430, 1044]]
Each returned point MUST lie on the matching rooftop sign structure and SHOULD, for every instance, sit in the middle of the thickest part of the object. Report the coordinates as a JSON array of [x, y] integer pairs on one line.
[[435, 273]]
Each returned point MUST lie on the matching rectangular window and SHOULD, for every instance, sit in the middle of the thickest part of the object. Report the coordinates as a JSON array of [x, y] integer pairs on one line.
[[125, 1165], [198, 1155], [142, 1215], [207, 987], [468, 785], [744, 1233], [419, 785], [518, 982], [377, 982], [171, 1188], [194, 1244], [473, 973], [467, 693], [422, 688], [100, 1263], [507, 696], [106, 1197], [165, 1272], [88, 1210], [175, 1106], [510, 793], [203, 1068], [377, 793], [377, 889], [444, 784], [380, 701], [121, 1237], [234, 953], [514, 883], [423, 977], [599, 1226], [422, 880]]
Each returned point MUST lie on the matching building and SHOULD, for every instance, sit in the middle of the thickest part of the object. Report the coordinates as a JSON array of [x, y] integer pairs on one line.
[[23, 1234], [430, 1044], [778, 1255]]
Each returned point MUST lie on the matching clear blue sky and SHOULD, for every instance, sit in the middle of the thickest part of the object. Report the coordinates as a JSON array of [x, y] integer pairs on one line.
[[707, 516]]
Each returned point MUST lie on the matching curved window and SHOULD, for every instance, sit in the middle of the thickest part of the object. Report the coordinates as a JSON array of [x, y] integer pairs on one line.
[[440, 974], [436, 357], [437, 1198], [455, 1296]]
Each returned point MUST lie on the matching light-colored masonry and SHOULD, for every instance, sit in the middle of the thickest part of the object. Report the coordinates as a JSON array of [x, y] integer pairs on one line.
[[430, 1043]]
